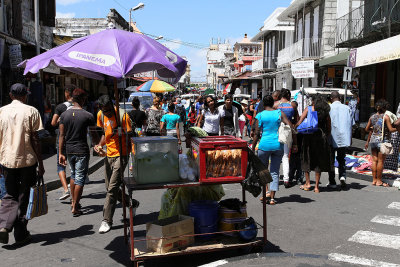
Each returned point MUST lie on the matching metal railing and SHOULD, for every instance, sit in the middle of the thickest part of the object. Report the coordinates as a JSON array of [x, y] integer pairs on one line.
[[350, 26], [307, 48]]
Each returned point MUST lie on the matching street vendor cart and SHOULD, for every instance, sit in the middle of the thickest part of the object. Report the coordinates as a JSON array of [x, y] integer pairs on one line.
[[202, 149]]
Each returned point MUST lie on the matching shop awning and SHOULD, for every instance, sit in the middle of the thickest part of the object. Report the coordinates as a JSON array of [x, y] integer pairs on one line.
[[381, 51], [339, 59]]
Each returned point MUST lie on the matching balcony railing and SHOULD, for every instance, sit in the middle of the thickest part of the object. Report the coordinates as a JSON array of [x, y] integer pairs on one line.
[[308, 48], [350, 27]]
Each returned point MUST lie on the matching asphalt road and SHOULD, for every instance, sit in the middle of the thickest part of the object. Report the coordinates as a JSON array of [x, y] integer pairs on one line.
[[304, 229]]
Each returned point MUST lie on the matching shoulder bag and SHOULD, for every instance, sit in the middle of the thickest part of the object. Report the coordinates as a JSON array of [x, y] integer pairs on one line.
[[386, 147], [310, 124]]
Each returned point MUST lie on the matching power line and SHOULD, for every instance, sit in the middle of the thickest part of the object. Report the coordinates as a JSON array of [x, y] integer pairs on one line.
[[121, 5]]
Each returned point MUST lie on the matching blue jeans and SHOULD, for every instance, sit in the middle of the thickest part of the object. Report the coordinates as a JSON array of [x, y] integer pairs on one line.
[[79, 165], [276, 159]]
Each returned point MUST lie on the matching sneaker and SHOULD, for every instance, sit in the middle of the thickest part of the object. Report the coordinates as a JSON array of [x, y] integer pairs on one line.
[[286, 184], [4, 236], [87, 181], [343, 182], [331, 186], [65, 195], [104, 227]]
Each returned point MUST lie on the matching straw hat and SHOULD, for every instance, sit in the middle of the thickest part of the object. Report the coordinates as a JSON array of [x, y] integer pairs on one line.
[[244, 102]]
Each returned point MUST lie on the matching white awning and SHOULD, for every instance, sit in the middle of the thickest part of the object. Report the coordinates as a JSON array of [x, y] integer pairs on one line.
[[381, 51]]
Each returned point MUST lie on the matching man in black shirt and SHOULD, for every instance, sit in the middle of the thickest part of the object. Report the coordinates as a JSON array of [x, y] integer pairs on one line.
[[60, 109], [137, 116], [73, 133]]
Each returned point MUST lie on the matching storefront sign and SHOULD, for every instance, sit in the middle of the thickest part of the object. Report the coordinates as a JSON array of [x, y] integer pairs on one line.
[[302, 69], [382, 51], [15, 55]]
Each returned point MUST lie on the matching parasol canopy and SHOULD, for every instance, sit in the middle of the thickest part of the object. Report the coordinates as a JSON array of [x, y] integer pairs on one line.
[[112, 52], [155, 86]]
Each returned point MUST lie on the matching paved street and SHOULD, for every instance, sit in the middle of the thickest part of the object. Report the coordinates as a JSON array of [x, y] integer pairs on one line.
[[304, 229]]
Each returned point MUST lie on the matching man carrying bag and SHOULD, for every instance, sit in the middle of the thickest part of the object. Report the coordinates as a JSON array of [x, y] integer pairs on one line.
[[19, 155]]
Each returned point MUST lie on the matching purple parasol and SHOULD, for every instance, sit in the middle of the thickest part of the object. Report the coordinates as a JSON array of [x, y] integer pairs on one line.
[[115, 53]]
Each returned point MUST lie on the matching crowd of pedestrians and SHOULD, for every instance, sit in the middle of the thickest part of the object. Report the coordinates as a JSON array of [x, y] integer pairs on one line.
[[258, 119]]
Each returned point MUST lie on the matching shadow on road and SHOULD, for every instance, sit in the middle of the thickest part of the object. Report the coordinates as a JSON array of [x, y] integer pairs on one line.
[[91, 209], [57, 237], [205, 258], [295, 198], [120, 251], [99, 195], [144, 218]]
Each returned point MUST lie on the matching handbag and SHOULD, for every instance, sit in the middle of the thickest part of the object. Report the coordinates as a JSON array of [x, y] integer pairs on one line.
[[310, 124], [285, 135], [386, 148], [37, 200]]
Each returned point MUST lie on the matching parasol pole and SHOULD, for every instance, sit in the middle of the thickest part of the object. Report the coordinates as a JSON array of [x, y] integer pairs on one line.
[[121, 169]]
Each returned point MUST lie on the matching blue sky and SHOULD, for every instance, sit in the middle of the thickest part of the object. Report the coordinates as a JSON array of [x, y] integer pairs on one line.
[[183, 20]]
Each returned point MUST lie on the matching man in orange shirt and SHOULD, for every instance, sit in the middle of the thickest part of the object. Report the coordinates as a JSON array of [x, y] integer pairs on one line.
[[107, 119]]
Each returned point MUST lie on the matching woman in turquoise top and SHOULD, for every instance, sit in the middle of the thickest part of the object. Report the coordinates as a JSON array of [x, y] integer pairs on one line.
[[171, 121], [268, 122]]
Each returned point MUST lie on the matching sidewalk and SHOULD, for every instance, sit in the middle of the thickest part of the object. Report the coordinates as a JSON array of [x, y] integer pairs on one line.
[[51, 176], [357, 149]]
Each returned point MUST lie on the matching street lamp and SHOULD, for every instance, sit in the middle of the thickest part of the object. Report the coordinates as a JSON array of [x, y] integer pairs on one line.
[[137, 7], [159, 38]]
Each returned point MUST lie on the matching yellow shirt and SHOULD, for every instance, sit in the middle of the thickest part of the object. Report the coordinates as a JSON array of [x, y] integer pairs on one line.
[[17, 124], [111, 133]]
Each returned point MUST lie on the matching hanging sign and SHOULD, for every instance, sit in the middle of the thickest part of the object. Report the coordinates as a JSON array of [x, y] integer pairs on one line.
[[302, 69], [15, 55]]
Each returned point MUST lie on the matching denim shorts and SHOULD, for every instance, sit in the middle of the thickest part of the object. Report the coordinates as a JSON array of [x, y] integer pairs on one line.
[[375, 146], [79, 165], [60, 168]]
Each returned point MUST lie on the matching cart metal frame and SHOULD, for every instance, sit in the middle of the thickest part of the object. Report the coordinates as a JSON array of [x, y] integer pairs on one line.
[[129, 229]]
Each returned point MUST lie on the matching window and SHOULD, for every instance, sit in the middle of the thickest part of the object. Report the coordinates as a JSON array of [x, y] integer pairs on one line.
[[273, 47], [300, 29], [315, 26]]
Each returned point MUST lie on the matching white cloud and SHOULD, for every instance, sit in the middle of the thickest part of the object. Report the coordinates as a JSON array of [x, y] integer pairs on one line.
[[65, 15], [174, 45], [69, 2]]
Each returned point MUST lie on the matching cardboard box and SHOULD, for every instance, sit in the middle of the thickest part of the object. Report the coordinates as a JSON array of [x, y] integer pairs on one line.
[[171, 229]]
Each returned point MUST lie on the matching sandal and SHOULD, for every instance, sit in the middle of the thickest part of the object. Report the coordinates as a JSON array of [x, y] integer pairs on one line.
[[77, 213], [305, 188], [267, 195], [383, 185], [272, 201], [316, 190]]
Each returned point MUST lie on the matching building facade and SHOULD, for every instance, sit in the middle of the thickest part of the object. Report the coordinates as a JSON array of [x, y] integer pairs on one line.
[[275, 35], [17, 38]]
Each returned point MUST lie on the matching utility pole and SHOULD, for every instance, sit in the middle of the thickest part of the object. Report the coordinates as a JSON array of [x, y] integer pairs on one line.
[[37, 28]]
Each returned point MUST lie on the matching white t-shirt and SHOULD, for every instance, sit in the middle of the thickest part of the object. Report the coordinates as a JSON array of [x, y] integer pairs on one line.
[[211, 121]]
